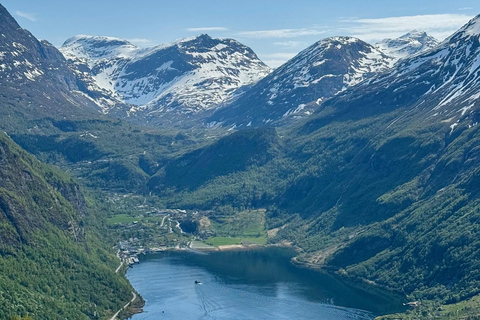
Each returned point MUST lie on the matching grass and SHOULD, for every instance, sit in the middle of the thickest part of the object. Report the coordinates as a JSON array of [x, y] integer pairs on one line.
[[245, 227], [248, 223], [225, 241], [122, 218]]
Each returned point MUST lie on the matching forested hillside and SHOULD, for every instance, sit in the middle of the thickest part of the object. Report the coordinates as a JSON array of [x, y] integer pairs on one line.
[[55, 262], [382, 183]]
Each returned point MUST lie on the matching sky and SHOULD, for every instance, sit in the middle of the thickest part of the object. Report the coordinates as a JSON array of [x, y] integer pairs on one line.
[[275, 29]]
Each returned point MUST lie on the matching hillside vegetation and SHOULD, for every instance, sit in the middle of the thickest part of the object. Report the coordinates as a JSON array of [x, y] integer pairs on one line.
[[55, 263], [375, 195]]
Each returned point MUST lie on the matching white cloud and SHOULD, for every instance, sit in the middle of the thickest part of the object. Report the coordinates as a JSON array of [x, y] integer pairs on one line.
[[274, 63], [29, 16], [280, 55], [437, 25], [141, 42], [288, 44], [465, 8], [206, 29], [280, 33]]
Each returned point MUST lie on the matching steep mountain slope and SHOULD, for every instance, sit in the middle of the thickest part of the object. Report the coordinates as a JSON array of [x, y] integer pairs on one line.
[[382, 183], [172, 81], [36, 80], [299, 86], [409, 44], [53, 260], [230, 154], [443, 83], [420, 181]]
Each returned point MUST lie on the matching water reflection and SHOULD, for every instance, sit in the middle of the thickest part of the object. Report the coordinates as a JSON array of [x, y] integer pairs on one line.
[[257, 284]]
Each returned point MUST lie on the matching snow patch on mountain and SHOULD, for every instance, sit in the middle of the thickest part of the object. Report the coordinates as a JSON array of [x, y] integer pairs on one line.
[[187, 76], [298, 87], [409, 44], [443, 81]]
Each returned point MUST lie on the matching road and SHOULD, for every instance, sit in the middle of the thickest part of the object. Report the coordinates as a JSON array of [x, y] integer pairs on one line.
[[125, 306], [163, 220], [118, 269], [121, 262]]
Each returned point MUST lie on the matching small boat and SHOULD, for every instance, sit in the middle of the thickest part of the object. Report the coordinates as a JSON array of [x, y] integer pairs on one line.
[[197, 282]]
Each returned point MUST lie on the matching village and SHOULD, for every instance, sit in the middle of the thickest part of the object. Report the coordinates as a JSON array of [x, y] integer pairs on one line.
[[155, 230]]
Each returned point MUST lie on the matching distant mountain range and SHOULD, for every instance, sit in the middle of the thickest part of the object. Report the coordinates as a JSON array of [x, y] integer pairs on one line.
[[167, 83], [328, 67], [198, 81], [217, 82], [443, 82]]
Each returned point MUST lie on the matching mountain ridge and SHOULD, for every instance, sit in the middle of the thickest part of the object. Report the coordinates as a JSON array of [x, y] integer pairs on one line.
[[183, 78], [299, 87], [52, 87], [381, 183]]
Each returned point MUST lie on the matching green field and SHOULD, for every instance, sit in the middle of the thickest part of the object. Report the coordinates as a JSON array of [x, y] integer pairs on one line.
[[225, 241], [245, 227], [122, 218]]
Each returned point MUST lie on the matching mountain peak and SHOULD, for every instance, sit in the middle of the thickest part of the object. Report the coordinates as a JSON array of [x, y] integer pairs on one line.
[[342, 39], [203, 36], [415, 33], [408, 44], [301, 85], [93, 47], [104, 40], [472, 28], [9, 25], [187, 76]]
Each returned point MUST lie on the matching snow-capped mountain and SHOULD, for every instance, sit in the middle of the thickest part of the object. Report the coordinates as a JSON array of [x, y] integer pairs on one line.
[[48, 86], [411, 43], [299, 86], [443, 83], [183, 78]]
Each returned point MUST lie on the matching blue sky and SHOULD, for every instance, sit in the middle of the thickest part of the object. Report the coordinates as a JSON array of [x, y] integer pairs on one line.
[[275, 29]]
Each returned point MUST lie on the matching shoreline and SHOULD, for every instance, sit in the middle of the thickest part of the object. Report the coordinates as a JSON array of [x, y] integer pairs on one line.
[[350, 282]]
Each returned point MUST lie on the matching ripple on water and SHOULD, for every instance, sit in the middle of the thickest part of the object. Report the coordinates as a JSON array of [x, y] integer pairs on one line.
[[167, 283]]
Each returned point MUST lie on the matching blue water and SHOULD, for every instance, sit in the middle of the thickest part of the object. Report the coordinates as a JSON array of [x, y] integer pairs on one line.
[[257, 284]]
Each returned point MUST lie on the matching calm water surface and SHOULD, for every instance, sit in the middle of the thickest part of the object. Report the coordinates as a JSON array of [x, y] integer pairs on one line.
[[253, 284]]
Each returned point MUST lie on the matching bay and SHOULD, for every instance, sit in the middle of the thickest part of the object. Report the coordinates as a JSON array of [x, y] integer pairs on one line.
[[248, 284]]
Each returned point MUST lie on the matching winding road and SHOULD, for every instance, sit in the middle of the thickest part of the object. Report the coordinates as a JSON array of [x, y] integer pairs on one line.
[[121, 261], [163, 220], [133, 293], [125, 306]]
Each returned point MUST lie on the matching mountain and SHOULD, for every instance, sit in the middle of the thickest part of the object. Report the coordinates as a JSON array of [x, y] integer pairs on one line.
[[441, 83], [55, 263], [167, 83], [409, 44], [301, 85], [381, 184], [49, 88]]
